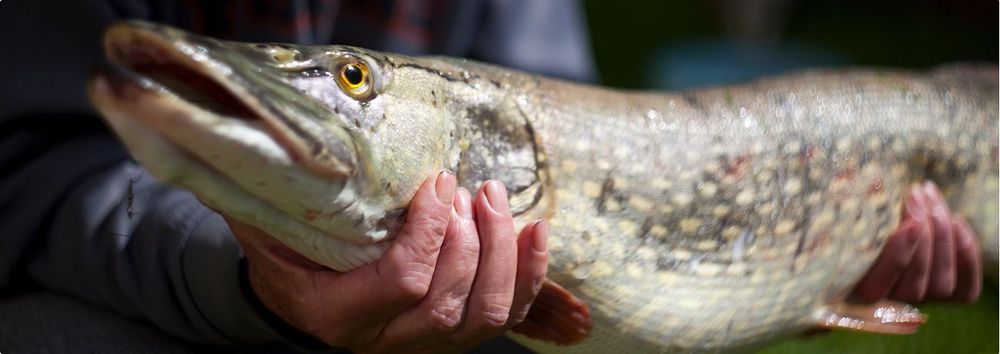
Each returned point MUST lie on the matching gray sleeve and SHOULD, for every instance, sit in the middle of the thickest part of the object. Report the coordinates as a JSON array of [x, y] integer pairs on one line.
[[548, 37], [84, 220]]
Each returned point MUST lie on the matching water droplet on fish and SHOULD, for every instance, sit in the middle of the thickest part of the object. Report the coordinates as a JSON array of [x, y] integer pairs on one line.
[[652, 114]]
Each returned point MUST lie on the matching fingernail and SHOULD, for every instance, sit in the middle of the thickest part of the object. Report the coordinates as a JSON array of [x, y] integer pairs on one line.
[[932, 192], [496, 196], [914, 205], [445, 186], [541, 235]]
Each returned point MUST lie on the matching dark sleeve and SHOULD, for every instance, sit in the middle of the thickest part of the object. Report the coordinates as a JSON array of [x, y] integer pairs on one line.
[[78, 216], [547, 37]]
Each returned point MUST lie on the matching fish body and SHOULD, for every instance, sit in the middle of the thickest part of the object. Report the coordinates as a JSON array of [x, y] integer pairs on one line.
[[707, 220]]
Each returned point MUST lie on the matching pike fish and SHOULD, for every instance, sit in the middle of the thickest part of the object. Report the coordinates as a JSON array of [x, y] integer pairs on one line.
[[708, 220]]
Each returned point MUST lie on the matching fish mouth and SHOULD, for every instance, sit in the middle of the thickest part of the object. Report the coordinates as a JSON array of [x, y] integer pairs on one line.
[[197, 120], [164, 60]]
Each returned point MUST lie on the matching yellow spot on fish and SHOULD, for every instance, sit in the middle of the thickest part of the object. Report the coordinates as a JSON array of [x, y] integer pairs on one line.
[[621, 152], [628, 227], [666, 209], [730, 233], [707, 189], [745, 197], [612, 205], [844, 145], [601, 269], [563, 194], [707, 269], [822, 222], [621, 183], [690, 225], [634, 271], [569, 166], [707, 245], [646, 254], [765, 209], [720, 211], [793, 148], [658, 231], [660, 183], [682, 199], [680, 255], [783, 228], [874, 143], [591, 189], [640, 203], [792, 187], [737, 268]]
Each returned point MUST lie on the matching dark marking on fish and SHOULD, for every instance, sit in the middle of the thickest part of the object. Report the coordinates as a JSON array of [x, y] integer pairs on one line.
[[444, 75], [694, 102], [607, 188], [805, 221]]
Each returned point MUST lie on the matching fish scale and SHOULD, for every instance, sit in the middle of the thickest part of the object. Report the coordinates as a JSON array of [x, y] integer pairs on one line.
[[709, 220]]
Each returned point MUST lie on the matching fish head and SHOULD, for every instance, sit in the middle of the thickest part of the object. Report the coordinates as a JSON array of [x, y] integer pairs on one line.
[[305, 142]]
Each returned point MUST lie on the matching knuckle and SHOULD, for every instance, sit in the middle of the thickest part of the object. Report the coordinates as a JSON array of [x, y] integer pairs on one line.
[[412, 285], [494, 315], [446, 316], [518, 316]]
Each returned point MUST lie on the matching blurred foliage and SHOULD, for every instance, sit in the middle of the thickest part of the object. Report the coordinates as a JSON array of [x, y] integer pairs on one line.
[[918, 33]]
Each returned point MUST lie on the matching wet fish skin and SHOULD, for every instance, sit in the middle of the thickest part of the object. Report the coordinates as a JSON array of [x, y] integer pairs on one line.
[[715, 219]]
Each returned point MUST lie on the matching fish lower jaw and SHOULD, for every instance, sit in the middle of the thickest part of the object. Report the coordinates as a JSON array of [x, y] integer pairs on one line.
[[170, 163]]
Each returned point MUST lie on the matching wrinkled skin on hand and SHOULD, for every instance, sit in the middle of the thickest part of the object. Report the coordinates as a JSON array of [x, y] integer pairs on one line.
[[933, 255], [455, 275]]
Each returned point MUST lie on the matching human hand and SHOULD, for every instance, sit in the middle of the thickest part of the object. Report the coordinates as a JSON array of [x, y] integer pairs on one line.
[[933, 255], [454, 276]]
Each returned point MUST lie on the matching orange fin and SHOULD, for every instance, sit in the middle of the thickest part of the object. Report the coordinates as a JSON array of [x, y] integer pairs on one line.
[[887, 317], [556, 316]]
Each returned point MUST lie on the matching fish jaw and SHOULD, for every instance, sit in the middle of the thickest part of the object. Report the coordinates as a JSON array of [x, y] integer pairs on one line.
[[252, 161]]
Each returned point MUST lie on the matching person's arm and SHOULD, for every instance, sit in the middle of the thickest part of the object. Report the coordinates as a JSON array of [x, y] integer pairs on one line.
[[78, 216]]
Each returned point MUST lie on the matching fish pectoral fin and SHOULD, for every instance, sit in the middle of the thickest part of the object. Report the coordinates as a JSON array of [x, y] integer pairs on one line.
[[886, 317], [556, 316]]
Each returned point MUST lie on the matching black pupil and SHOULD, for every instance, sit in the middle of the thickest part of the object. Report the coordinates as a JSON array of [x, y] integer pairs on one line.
[[353, 74]]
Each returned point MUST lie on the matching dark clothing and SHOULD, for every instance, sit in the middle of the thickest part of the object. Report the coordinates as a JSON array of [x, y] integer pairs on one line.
[[78, 216]]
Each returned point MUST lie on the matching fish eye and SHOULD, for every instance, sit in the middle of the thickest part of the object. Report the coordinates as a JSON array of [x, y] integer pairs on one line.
[[355, 78]]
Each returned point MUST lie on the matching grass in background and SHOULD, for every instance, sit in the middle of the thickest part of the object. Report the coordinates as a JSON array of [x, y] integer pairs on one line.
[[957, 329]]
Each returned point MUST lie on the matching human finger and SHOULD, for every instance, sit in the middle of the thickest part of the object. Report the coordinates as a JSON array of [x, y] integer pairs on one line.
[[532, 264], [402, 276], [912, 284], [441, 310], [895, 258], [493, 289], [942, 274], [969, 267]]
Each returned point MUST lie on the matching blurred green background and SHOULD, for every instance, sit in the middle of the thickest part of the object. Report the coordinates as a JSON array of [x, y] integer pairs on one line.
[[675, 44]]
